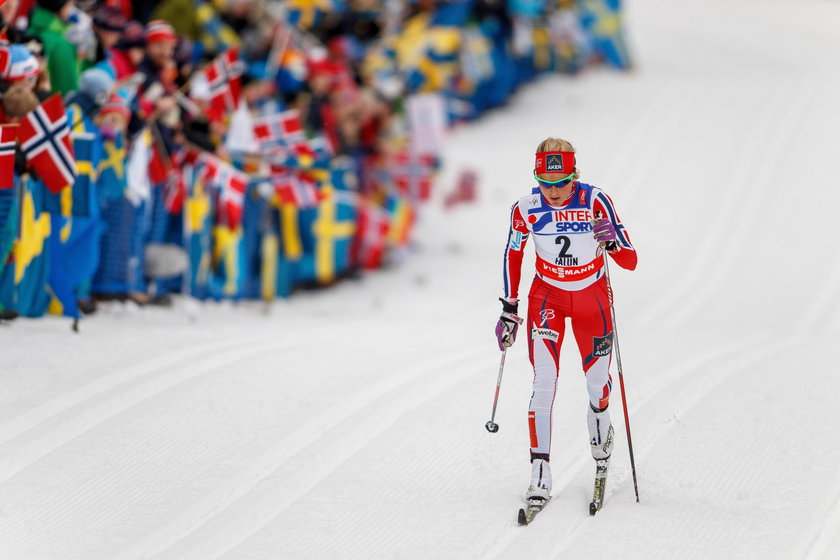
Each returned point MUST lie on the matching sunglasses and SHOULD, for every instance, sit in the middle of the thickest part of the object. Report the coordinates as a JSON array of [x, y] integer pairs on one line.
[[559, 183]]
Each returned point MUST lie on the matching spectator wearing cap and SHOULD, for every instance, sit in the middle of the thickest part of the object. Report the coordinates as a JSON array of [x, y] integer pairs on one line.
[[128, 52], [36, 46], [23, 68], [156, 101], [113, 118], [160, 53], [108, 25], [95, 89], [48, 23]]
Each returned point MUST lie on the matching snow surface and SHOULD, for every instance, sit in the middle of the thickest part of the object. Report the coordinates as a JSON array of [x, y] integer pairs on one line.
[[349, 423]]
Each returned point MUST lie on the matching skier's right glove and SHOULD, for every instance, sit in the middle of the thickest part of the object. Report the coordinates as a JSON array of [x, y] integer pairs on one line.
[[508, 325]]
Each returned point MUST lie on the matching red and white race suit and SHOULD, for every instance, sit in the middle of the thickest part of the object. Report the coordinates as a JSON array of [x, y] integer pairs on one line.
[[569, 282]]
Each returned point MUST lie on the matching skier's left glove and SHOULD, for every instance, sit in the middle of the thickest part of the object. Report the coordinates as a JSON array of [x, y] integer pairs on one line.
[[508, 325], [604, 233]]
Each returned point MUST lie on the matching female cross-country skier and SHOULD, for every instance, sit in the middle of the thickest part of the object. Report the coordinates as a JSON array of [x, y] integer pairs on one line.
[[571, 223]]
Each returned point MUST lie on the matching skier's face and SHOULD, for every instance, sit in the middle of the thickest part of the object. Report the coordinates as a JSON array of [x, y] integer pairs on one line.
[[555, 187]]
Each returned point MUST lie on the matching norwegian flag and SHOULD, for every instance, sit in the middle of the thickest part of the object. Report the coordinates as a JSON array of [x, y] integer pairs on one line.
[[224, 76], [45, 139], [413, 174], [279, 131], [232, 184], [293, 188], [371, 237], [229, 182], [209, 167], [8, 137]]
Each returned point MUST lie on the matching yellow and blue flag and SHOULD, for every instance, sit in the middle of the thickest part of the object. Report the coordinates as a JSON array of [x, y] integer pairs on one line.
[[74, 253], [31, 252], [327, 235]]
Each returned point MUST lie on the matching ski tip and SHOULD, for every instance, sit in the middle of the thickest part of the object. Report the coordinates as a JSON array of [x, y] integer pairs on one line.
[[522, 519], [593, 509]]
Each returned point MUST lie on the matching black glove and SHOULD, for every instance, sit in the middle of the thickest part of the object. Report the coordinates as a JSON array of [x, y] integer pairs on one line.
[[508, 325]]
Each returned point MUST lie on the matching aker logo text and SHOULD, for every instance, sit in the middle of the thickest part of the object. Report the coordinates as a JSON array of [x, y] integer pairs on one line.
[[602, 345]]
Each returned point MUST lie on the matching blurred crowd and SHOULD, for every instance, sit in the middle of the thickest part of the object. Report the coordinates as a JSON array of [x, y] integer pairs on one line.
[[246, 148]]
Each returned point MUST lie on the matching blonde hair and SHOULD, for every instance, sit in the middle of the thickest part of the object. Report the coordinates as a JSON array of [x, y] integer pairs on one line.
[[18, 101], [551, 144]]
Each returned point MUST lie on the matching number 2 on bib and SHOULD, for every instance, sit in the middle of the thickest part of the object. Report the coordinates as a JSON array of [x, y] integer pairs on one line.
[[563, 257]]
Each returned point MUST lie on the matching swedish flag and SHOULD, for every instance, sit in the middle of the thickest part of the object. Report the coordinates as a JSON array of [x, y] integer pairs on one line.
[[111, 180], [198, 221], [31, 252], [327, 236], [9, 211], [215, 35], [305, 14], [75, 256]]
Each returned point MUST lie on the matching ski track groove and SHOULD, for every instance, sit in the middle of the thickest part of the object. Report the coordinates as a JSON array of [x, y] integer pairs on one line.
[[94, 404], [223, 497], [56, 405], [373, 424], [572, 469], [424, 472], [711, 382], [827, 530], [68, 506]]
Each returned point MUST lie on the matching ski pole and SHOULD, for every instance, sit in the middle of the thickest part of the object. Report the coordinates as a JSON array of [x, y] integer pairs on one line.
[[620, 374], [491, 426]]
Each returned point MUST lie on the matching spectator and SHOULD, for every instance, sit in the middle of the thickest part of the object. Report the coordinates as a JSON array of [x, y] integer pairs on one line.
[[18, 100], [23, 67], [35, 45], [48, 23], [159, 62], [127, 53], [95, 89], [108, 25], [113, 118]]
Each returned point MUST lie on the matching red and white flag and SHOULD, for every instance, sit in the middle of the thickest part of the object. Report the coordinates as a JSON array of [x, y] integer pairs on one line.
[[293, 188], [45, 139], [413, 174], [371, 236], [208, 166], [279, 131], [465, 189], [232, 184], [224, 76], [8, 139]]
